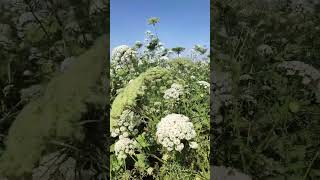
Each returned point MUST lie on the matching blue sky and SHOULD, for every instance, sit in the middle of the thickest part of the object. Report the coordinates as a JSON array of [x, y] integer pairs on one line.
[[182, 22]]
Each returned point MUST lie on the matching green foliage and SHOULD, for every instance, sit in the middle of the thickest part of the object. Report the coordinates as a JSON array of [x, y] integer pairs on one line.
[[141, 87], [151, 106], [178, 50], [266, 120], [34, 33], [53, 116], [153, 20], [200, 49], [127, 98], [39, 44]]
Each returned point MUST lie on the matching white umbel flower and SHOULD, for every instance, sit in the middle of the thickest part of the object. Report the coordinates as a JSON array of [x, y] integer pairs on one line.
[[205, 84], [113, 134], [123, 55], [179, 147], [174, 128], [97, 6], [174, 92], [123, 147], [138, 43], [25, 18], [171, 94], [128, 55], [126, 124], [164, 58], [264, 50], [177, 87], [193, 145], [118, 51], [306, 71], [150, 171]]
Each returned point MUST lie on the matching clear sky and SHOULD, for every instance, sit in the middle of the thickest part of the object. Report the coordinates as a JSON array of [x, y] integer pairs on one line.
[[182, 22]]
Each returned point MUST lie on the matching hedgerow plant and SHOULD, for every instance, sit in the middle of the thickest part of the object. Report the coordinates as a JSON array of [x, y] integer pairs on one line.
[[52, 89], [160, 113], [265, 103]]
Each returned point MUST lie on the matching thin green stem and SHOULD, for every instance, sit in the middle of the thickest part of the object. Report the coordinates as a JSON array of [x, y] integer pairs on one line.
[[310, 165]]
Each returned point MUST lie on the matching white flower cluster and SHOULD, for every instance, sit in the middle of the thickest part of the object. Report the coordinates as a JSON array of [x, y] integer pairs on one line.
[[169, 53], [245, 77], [27, 21], [174, 128], [97, 6], [221, 91], [150, 171], [164, 58], [264, 50], [161, 51], [138, 44], [307, 72], [222, 85], [123, 55], [34, 54], [25, 18], [125, 146], [199, 49], [5, 41], [205, 84], [126, 126], [128, 55], [118, 51], [72, 26], [154, 49], [174, 92], [151, 38]]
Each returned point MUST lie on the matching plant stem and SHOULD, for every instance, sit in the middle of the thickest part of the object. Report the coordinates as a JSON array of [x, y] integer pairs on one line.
[[310, 165], [156, 157], [37, 19], [155, 30], [9, 72]]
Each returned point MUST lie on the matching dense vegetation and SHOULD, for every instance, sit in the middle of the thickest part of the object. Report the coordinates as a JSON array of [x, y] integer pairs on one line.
[[265, 94], [265, 88], [160, 112], [53, 89]]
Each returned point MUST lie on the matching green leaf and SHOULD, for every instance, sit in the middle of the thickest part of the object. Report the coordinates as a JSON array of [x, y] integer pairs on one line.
[[112, 148], [53, 27], [294, 107], [115, 164], [315, 173], [76, 49], [297, 152], [141, 163], [142, 141], [34, 33]]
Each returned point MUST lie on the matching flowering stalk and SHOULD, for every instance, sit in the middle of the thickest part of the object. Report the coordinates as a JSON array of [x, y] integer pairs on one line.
[[127, 98]]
